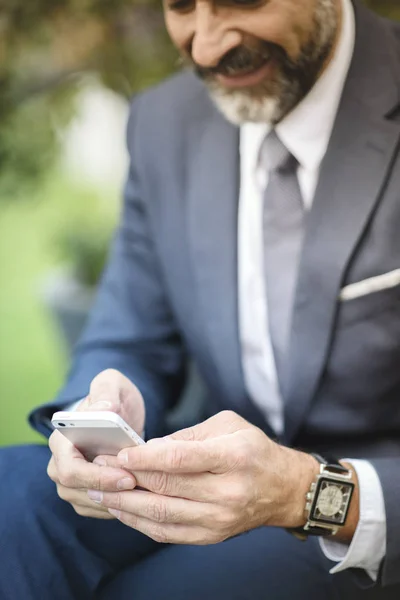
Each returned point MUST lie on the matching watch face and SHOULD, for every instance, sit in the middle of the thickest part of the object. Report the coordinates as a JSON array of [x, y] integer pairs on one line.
[[331, 503]]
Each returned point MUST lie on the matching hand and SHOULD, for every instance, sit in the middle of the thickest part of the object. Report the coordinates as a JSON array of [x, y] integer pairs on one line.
[[211, 482], [68, 468]]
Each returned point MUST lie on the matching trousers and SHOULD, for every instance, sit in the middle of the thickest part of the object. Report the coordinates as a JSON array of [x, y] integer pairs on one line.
[[48, 552]]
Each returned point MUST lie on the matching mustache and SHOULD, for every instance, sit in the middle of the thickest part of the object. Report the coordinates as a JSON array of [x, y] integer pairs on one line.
[[244, 59]]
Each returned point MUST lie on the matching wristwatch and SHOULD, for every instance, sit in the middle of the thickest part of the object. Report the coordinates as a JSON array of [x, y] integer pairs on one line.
[[328, 501]]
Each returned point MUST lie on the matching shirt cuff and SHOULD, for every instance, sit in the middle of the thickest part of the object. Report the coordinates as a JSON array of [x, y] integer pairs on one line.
[[368, 547]]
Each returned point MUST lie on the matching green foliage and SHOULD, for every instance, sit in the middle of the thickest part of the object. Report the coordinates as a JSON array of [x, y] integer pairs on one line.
[[81, 228], [33, 355], [388, 8], [85, 250], [46, 49], [29, 142]]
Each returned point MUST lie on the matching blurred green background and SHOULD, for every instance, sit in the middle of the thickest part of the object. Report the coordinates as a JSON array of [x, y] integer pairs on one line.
[[67, 70]]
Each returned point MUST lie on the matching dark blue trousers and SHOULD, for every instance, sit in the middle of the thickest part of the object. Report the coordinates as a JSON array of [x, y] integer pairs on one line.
[[47, 552]]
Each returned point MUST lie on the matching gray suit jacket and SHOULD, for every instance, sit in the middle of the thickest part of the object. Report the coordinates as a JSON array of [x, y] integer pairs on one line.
[[170, 288]]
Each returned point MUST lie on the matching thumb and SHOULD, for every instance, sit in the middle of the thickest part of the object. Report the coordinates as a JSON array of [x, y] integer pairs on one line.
[[105, 393]]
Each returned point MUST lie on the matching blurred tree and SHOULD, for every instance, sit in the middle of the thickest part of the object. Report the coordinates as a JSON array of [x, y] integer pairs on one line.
[[45, 42], [46, 48]]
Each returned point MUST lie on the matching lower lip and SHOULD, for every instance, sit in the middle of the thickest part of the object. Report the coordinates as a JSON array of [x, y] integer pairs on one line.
[[249, 80]]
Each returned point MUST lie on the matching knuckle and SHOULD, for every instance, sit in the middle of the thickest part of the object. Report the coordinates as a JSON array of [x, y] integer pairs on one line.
[[51, 442], [82, 511], [62, 492], [96, 482], [216, 537], [241, 455], [175, 459], [240, 458], [159, 482], [189, 434], [79, 510], [64, 475], [157, 511], [224, 519], [236, 494], [200, 538], [52, 471], [117, 501], [158, 534], [206, 537], [229, 417], [228, 414]]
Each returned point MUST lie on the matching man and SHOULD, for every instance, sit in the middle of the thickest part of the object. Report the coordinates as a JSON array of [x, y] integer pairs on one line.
[[259, 236]]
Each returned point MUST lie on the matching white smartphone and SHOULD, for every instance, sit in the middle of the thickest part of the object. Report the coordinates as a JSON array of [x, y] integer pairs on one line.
[[96, 433]]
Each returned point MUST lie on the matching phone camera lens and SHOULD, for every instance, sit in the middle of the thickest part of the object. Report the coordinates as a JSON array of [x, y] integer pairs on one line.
[[62, 424]]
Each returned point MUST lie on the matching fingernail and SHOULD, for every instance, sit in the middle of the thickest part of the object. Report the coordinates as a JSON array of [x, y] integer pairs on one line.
[[95, 496], [101, 405], [100, 462], [123, 457], [126, 484], [114, 513]]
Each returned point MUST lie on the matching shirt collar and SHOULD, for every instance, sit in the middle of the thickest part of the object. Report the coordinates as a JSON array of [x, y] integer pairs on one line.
[[306, 131]]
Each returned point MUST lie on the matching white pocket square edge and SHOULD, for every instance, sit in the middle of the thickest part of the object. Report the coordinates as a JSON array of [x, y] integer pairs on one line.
[[370, 286]]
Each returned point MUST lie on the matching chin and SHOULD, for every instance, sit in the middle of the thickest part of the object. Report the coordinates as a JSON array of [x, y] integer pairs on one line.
[[239, 107]]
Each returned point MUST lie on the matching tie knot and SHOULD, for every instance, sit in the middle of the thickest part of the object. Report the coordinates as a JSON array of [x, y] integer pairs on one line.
[[276, 156]]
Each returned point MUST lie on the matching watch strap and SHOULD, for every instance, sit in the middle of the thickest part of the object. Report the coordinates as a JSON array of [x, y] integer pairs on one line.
[[332, 464], [302, 534]]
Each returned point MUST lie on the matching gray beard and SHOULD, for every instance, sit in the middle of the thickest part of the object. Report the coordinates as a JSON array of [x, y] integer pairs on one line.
[[276, 101]]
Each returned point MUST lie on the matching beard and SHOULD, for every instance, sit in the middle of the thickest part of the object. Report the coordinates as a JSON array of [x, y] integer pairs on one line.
[[271, 100]]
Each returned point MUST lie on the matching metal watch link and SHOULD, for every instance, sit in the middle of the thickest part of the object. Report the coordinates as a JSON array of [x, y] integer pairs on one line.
[[328, 501]]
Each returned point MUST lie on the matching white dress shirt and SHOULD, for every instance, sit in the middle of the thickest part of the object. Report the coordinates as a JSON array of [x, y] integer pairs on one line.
[[306, 132]]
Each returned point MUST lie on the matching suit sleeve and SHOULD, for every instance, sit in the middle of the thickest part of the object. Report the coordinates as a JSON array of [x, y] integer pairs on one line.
[[388, 470], [131, 327]]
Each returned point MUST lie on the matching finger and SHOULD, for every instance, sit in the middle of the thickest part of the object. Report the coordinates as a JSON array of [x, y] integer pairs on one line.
[[52, 470], [75, 472], [72, 470], [225, 490], [111, 390], [81, 503], [160, 509], [223, 423], [201, 487], [92, 477], [167, 533], [107, 461], [60, 446], [177, 457], [105, 392], [93, 514]]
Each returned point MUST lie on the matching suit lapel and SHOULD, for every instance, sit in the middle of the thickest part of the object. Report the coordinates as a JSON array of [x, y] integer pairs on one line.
[[351, 182], [213, 232]]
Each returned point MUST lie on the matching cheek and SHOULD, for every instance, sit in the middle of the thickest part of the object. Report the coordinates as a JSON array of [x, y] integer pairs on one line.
[[286, 23], [180, 30]]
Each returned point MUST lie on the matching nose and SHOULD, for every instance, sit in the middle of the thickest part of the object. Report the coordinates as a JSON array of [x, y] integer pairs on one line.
[[213, 37]]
